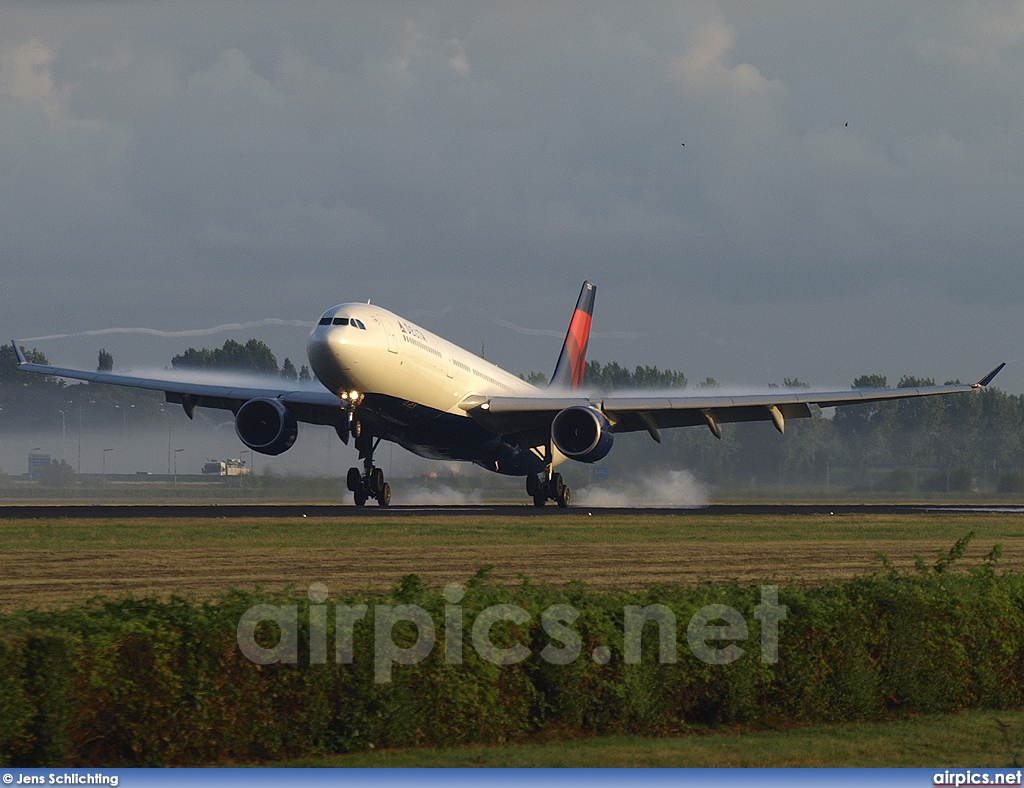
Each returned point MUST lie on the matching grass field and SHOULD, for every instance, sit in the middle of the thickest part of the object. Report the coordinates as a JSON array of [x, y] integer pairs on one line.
[[50, 563], [55, 562], [967, 740]]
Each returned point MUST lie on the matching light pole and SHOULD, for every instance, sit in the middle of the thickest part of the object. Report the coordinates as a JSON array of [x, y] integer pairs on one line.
[[167, 413], [105, 466], [247, 478], [176, 466], [78, 469], [124, 415], [63, 436]]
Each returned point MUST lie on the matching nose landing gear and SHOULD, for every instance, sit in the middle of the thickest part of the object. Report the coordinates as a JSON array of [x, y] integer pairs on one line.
[[370, 483], [550, 489]]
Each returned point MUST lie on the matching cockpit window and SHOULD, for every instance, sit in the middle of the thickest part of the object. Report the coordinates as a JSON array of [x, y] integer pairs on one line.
[[358, 324], [341, 321], [325, 320]]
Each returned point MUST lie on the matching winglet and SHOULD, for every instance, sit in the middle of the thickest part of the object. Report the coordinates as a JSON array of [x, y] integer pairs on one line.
[[988, 378], [573, 358], [18, 353]]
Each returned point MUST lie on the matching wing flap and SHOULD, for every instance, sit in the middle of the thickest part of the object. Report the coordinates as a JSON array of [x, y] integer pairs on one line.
[[635, 421]]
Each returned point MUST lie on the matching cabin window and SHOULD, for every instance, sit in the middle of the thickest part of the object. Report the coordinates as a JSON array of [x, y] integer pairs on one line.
[[341, 321]]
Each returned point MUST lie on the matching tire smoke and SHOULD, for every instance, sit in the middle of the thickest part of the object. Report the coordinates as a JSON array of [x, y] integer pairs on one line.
[[434, 496], [675, 489]]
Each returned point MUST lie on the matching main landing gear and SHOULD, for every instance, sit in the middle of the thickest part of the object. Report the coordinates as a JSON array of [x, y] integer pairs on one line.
[[370, 483], [550, 489]]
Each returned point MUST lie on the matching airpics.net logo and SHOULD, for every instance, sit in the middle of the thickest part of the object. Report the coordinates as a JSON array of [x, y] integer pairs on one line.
[[706, 630], [974, 777]]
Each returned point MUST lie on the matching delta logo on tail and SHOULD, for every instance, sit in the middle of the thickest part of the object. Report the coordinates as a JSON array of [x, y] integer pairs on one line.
[[573, 358]]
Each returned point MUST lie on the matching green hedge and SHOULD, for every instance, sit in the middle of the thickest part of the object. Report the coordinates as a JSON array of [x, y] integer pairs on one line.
[[146, 682]]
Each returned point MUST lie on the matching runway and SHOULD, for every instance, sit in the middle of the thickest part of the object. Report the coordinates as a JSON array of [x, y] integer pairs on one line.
[[334, 511]]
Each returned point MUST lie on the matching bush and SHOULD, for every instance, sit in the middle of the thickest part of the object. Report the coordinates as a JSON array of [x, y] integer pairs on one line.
[[145, 682], [15, 708], [57, 474], [1012, 482], [899, 480], [959, 479]]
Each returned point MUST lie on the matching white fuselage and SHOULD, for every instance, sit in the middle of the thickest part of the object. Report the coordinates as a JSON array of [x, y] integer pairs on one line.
[[376, 351]]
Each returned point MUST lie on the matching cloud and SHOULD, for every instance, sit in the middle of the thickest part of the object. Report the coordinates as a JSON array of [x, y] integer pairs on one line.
[[231, 81], [457, 58], [972, 36], [26, 75], [703, 67], [166, 160]]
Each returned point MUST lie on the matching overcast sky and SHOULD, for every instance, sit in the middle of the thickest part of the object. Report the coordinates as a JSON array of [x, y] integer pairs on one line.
[[759, 190]]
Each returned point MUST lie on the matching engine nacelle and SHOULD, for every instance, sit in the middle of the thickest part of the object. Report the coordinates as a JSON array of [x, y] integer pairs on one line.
[[266, 425], [582, 433]]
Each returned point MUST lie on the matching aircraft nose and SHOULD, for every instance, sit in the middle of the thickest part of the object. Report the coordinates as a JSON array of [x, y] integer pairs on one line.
[[327, 357]]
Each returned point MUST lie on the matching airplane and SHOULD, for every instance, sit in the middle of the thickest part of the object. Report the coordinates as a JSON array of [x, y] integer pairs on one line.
[[385, 378]]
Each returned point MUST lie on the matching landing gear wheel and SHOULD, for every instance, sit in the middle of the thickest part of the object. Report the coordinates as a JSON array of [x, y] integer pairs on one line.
[[543, 490], [370, 483]]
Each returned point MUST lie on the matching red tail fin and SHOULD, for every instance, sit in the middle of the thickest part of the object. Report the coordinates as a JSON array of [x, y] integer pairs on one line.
[[573, 358]]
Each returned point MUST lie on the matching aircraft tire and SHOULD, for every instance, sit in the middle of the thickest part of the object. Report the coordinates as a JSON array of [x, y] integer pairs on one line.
[[539, 500], [532, 485], [556, 485], [384, 496], [354, 480], [360, 497], [376, 481], [563, 498]]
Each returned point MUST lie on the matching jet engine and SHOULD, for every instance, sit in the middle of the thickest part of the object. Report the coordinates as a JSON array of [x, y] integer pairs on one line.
[[582, 433], [266, 425]]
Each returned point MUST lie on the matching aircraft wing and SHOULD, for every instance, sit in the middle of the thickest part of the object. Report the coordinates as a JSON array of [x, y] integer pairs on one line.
[[633, 412], [312, 407]]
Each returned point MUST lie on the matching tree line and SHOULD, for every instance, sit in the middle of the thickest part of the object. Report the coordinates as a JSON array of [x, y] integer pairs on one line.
[[252, 357], [951, 443], [34, 402]]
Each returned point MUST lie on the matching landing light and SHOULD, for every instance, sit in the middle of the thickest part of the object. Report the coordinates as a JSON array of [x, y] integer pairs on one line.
[[485, 406], [353, 395]]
